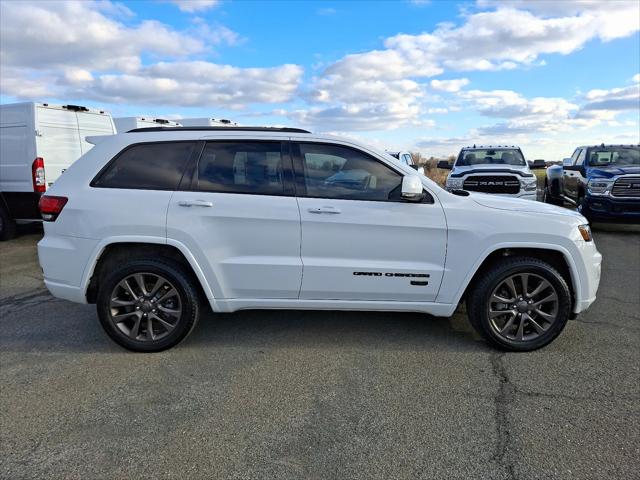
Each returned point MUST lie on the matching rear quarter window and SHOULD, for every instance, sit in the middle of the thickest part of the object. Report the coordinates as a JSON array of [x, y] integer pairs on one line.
[[149, 166]]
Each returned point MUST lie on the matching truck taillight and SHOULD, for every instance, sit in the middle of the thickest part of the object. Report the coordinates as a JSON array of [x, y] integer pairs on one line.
[[37, 170], [50, 207]]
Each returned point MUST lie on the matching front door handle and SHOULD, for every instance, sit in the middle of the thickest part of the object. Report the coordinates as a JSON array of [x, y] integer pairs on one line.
[[195, 203], [329, 210]]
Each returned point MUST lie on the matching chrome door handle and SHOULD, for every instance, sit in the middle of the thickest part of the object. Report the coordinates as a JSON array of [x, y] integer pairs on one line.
[[330, 210], [195, 203]]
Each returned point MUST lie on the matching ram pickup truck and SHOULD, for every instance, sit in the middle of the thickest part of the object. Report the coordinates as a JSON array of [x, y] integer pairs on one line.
[[602, 181], [501, 170]]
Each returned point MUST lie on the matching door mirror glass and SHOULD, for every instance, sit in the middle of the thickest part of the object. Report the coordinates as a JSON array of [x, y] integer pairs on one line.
[[412, 189], [444, 164], [567, 162]]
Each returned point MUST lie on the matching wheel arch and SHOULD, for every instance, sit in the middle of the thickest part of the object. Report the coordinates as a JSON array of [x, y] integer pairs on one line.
[[555, 255], [113, 251]]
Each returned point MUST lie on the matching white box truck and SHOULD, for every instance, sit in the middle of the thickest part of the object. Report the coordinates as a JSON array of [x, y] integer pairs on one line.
[[39, 141], [124, 124], [207, 122]]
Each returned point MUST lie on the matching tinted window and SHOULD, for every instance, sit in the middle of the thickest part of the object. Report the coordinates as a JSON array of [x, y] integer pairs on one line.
[[331, 171], [618, 156], [154, 166], [491, 156], [241, 167]]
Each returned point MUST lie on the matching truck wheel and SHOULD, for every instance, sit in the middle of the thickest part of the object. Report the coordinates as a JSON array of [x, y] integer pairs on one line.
[[148, 305], [547, 198], [7, 225], [520, 304]]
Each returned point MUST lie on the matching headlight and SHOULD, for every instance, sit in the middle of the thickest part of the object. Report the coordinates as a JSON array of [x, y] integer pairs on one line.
[[585, 231], [530, 185], [599, 186], [454, 183]]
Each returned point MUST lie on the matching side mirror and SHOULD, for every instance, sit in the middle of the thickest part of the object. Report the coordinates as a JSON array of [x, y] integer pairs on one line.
[[566, 162], [444, 164], [412, 189], [418, 169]]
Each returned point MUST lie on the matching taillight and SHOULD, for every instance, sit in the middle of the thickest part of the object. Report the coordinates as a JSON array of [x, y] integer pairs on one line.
[[37, 170], [50, 207]]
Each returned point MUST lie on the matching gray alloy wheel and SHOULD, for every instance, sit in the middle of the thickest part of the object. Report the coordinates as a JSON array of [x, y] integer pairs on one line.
[[522, 307], [145, 307]]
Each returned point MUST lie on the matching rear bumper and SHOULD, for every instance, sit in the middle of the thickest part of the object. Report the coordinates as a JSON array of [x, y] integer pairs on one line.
[[63, 260], [610, 209]]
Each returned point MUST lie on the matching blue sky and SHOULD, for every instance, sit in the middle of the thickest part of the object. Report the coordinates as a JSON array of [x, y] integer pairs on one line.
[[426, 76]]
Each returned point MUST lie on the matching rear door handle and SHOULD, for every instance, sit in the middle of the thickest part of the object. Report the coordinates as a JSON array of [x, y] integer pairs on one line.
[[195, 203], [329, 210]]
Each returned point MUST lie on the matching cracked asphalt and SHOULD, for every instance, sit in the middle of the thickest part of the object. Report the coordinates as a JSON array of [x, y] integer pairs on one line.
[[318, 395]]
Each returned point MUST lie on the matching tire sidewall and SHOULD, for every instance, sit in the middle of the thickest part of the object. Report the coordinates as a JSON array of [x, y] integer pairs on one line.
[[182, 284], [564, 306]]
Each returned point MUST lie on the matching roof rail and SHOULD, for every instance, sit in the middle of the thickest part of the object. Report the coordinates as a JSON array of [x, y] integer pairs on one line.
[[218, 129]]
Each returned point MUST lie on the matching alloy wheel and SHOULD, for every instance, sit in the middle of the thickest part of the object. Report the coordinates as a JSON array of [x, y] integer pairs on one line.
[[523, 307], [145, 307]]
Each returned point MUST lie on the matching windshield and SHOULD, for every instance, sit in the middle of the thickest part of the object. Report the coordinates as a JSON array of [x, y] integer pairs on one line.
[[614, 156], [490, 157]]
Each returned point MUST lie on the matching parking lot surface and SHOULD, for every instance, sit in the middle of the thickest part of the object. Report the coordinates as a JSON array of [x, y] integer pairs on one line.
[[318, 395]]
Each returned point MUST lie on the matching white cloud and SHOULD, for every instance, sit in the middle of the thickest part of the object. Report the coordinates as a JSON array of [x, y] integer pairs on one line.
[[636, 78], [326, 11], [450, 86], [75, 49], [191, 6]]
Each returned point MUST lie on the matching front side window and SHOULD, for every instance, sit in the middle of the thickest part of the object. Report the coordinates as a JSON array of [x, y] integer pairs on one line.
[[149, 166], [615, 156], [333, 171], [407, 159], [583, 154], [241, 167], [491, 157]]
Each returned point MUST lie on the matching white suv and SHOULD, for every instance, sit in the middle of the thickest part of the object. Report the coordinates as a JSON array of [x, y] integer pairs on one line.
[[150, 223]]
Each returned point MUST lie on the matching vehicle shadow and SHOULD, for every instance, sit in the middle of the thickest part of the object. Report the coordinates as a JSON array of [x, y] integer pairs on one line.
[[335, 329], [57, 326]]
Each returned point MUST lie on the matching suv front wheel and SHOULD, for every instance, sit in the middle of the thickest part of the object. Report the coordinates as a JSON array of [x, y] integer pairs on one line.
[[148, 305], [520, 304]]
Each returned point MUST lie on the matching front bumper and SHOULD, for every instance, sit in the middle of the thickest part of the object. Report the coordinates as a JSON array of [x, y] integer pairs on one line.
[[589, 271], [611, 209]]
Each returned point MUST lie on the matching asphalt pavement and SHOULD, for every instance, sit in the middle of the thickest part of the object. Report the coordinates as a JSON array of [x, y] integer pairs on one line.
[[318, 395]]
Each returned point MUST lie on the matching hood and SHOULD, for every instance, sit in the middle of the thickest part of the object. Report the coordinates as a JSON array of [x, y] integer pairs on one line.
[[520, 205], [614, 171]]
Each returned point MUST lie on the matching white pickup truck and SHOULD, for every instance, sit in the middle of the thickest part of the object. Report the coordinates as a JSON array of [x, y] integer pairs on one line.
[[499, 170]]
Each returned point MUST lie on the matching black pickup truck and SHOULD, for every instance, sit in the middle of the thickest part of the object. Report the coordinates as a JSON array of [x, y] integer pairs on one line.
[[602, 181]]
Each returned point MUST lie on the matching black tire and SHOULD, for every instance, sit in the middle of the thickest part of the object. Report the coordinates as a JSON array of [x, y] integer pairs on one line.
[[547, 198], [478, 302], [7, 224], [177, 277]]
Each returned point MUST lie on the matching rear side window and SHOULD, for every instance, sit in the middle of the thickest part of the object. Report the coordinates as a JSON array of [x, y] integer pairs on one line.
[[242, 167], [150, 166]]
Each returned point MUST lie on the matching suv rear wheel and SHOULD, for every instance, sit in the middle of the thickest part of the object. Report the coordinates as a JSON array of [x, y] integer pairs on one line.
[[520, 304], [148, 305]]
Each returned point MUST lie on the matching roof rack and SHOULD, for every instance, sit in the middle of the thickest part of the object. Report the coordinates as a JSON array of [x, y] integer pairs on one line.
[[218, 129]]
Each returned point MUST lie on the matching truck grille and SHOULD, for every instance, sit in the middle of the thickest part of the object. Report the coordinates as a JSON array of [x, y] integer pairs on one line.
[[626, 187], [492, 184]]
